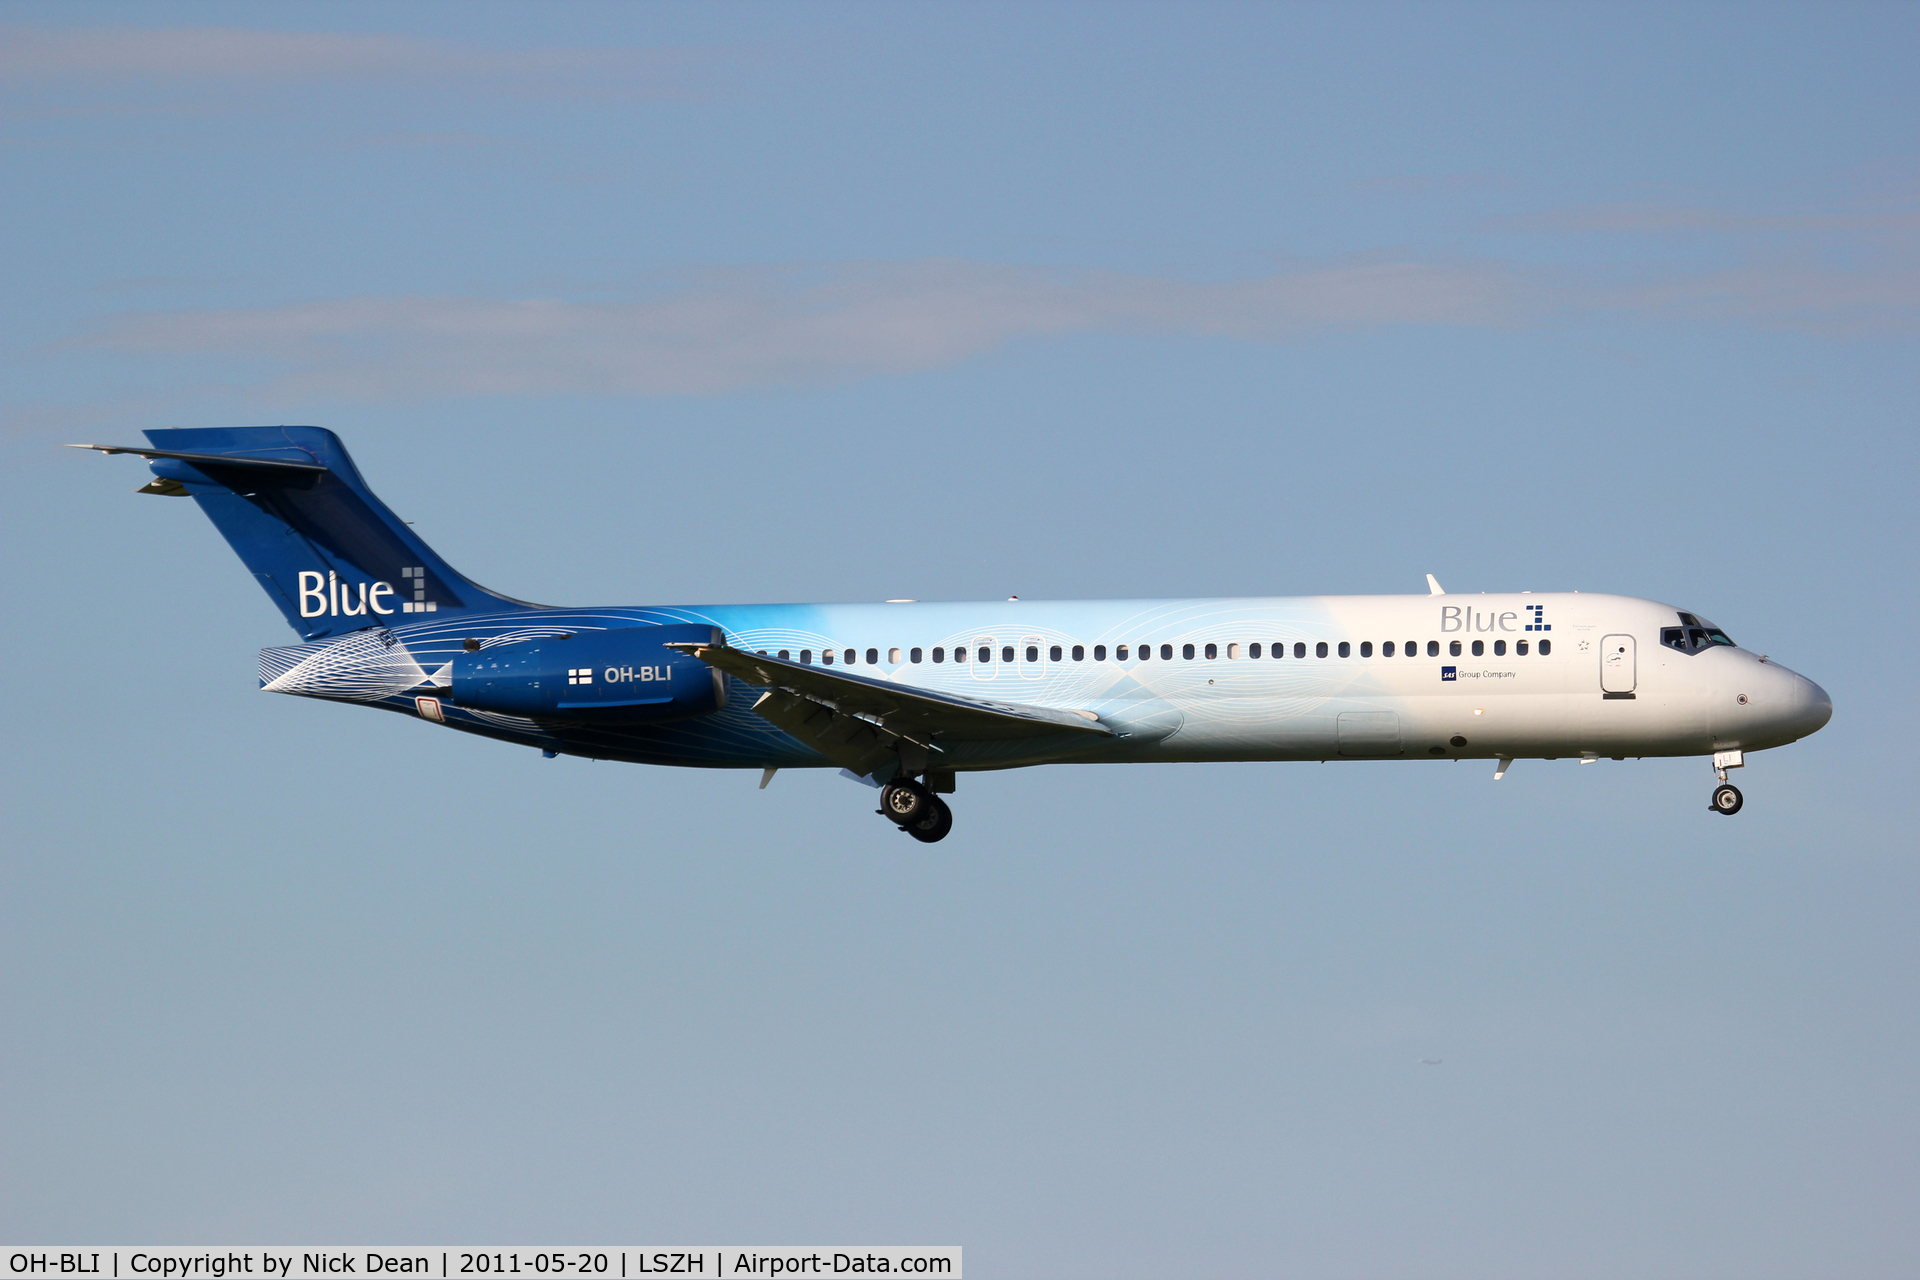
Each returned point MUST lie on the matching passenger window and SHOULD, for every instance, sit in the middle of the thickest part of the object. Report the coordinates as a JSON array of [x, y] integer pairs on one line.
[[1099, 653], [1300, 649], [1499, 648], [986, 654], [1119, 653], [1413, 648], [1033, 653], [1453, 648], [1346, 650], [1366, 649], [1233, 651], [1145, 651], [1006, 654], [1186, 651], [1253, 650], [806, 656], [959, 654], [783, 655], [1386, 649], [1520, 647], [1166, 652], [913, 655], [939, 654], [1546, 647], [1479, 648], [873, 657], [826, 656], [853, 655], [1320, 650]]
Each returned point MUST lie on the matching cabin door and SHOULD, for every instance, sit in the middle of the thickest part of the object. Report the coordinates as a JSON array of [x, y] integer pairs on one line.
[[1616, 664]]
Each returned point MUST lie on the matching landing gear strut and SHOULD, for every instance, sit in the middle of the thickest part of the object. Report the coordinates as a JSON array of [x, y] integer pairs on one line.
[[1726, 796], [915, 810]]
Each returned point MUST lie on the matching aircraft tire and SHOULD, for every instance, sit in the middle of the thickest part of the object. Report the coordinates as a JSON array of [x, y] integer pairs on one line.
[[934, 827], [1726, 799], [905, 802]]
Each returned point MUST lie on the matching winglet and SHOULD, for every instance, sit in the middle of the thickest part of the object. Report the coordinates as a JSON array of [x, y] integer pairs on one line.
[[1433, 586]]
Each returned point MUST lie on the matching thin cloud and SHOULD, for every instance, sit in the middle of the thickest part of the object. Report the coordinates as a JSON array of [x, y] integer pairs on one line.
[[1421, 184], [1647, 218], [236, 54], [1788, 296], [751, 329], [747, 329]]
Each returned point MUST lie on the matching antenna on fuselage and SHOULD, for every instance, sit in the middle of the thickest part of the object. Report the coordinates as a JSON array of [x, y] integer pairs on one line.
[[1433, 586]]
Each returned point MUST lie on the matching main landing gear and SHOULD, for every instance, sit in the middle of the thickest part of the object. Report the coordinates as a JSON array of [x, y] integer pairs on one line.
[[915, 810]]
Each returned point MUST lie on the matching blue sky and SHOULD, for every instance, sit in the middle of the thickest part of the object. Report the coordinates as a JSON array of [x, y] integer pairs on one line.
[[709, 303]]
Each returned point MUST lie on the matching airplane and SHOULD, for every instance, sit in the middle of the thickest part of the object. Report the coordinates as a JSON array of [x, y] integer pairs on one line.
[[906, 696]]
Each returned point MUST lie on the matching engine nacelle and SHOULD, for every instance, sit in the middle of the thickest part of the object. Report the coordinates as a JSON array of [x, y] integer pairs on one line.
[[623, 676]]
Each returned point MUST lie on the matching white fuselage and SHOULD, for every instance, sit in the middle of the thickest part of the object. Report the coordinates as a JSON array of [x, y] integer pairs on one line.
[[1335, 677]]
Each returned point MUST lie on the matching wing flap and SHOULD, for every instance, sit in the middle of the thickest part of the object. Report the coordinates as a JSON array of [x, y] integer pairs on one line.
[[848, 741]]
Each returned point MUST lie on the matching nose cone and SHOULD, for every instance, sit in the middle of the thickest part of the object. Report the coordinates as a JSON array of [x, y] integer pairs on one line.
[[1799, 706], [1812, 707]]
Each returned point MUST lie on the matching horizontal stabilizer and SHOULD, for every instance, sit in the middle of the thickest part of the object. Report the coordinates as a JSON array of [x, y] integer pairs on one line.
[[216, 459]]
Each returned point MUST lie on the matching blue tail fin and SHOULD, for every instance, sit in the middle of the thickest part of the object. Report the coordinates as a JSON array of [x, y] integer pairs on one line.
[[291, 503]]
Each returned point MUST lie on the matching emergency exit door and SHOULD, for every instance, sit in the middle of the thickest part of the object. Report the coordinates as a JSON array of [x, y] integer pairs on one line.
[[1616, 664]]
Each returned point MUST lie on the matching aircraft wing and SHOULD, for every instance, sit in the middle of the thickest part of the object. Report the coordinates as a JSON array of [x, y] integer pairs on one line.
[[856, 721]]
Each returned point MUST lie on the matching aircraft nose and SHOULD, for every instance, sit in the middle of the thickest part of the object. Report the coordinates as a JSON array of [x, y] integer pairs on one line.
[[1811, 707]]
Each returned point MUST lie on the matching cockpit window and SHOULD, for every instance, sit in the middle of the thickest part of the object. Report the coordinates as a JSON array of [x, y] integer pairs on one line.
[[1698, 634]]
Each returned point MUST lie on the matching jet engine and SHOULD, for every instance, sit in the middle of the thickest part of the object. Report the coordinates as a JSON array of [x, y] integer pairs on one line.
[[622, 676]]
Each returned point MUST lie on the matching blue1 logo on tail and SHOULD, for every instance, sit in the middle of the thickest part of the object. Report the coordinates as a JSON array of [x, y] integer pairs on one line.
[[323, 595]]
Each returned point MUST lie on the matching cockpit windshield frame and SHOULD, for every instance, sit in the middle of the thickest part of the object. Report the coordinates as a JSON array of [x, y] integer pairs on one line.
[[1694, 635]]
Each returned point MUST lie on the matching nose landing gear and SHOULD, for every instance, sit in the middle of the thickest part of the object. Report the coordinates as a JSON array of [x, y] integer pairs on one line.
[[916, 810], [1726, 796]]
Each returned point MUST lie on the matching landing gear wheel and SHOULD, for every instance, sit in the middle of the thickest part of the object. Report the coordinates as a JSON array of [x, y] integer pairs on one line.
[[1726, 799], [905, 802], [935, 825]]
